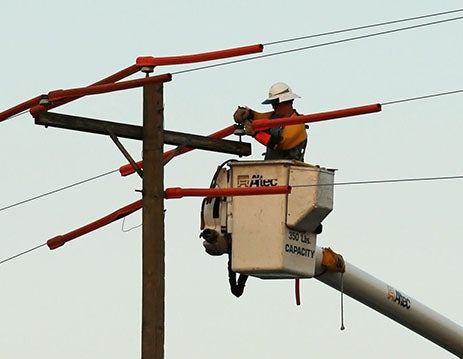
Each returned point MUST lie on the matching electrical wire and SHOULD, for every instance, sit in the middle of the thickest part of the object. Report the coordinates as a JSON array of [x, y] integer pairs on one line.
[[421, 97], [116, 170], [285, 52], [363, 27], [129, 229], [327, 43], [22, 253], [351, 183], [394, 180], [315, 46], [57, 190]]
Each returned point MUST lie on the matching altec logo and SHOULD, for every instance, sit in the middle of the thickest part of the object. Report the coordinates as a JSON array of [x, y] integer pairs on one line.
[[397, 297], [256, 181]]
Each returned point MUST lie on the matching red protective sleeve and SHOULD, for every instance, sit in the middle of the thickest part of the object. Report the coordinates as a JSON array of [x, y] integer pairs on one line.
[[58, 241], [128, 169], [178, 192], [206, 56]]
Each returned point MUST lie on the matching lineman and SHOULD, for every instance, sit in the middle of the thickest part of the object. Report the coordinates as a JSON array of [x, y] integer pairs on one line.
[[284, 142]]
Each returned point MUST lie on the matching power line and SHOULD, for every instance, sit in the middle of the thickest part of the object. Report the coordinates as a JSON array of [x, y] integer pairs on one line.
[[22, 253], [394, 180], [316, 45], [363, 27], [58, 190], [289, 51], [281, 53], [116, 170], [350, 183], [327, 43], [421, 97]]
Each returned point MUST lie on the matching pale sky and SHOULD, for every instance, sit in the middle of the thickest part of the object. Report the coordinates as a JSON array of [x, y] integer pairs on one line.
[[83, 300]]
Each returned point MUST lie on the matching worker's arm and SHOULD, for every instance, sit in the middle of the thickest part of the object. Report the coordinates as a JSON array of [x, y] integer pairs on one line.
[[245, 116]]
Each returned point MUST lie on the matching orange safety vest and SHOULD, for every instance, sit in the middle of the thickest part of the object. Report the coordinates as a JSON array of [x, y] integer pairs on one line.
[[291, 136]]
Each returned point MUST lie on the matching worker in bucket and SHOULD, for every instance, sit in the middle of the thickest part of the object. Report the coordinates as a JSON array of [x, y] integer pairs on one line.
[[284, 142]]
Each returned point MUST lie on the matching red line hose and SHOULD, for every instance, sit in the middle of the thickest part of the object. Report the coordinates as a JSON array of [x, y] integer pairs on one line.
[[177, 192], [58, 95], [60, 240], [128, 169], [260, 125], [205, 56]]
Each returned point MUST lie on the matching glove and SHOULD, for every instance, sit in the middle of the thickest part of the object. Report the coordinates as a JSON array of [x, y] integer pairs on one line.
[[242, 114], [248, 128]]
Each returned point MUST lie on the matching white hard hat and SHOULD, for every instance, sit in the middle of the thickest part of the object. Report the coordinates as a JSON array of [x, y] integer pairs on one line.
[[280, 92]]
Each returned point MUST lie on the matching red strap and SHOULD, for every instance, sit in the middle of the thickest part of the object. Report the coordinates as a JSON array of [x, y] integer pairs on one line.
[[297, 292]]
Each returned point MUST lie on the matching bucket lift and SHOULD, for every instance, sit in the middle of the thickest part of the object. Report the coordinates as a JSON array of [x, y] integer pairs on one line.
[[273, 236]]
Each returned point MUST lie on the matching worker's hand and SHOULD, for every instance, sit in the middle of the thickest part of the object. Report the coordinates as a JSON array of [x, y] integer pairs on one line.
[[248, 128], [242, 114]]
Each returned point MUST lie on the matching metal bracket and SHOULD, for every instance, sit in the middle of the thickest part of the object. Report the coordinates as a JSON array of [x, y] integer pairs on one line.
[[124, 152]]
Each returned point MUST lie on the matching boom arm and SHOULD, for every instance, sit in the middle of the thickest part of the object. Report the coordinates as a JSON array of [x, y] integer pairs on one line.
[[396, 305]]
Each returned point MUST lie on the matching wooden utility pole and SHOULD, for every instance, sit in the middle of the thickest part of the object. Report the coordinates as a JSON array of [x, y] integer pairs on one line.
[[153, 136], [153, 223]]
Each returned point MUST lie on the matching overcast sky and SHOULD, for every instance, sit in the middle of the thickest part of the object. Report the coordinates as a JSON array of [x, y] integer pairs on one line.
[[83, 300]]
